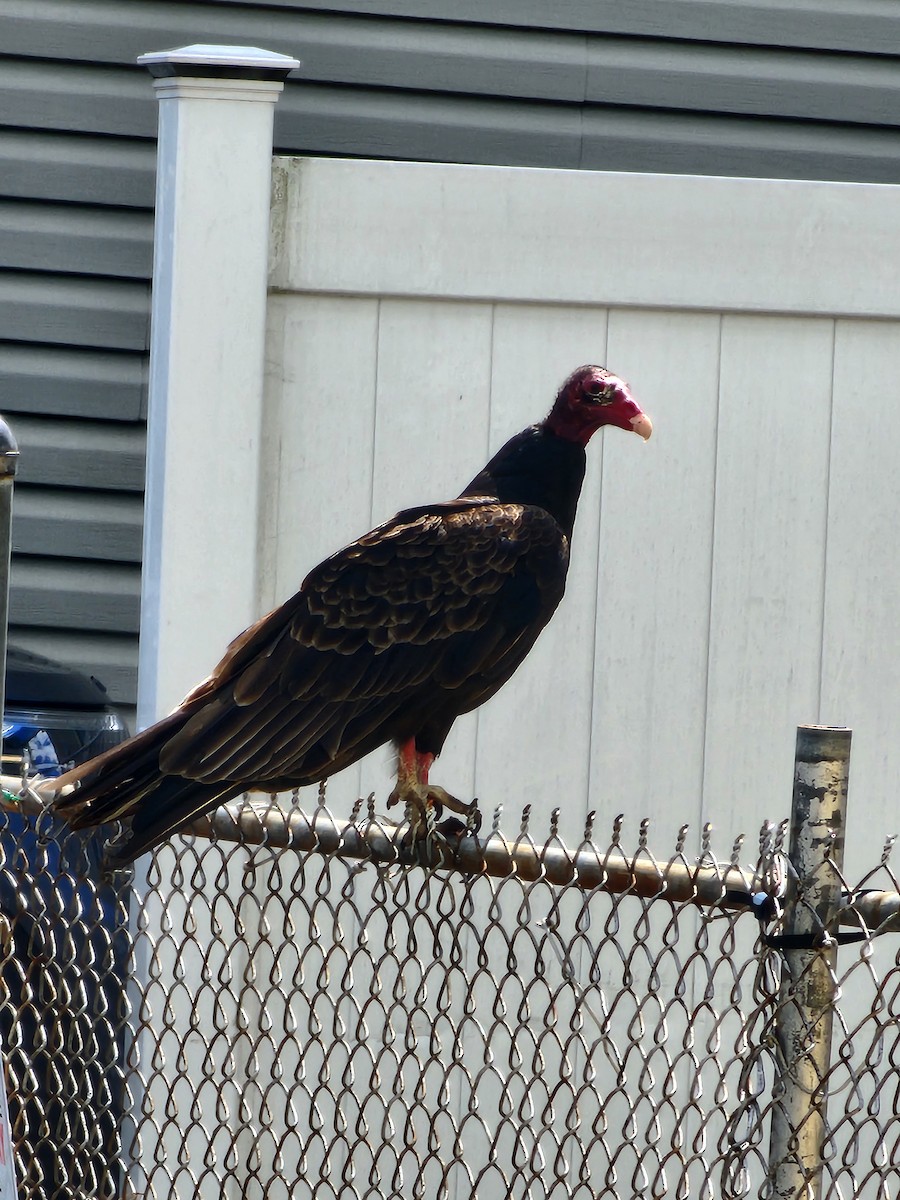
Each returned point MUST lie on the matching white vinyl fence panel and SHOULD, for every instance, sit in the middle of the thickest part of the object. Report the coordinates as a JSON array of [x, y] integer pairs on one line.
[[733, 577]]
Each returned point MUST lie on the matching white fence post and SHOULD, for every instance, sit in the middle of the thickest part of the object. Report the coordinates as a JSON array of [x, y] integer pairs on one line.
[[216, 109], [199, 588]]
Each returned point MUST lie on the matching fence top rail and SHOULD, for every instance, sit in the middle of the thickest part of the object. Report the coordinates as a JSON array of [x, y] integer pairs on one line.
[[369, 838]]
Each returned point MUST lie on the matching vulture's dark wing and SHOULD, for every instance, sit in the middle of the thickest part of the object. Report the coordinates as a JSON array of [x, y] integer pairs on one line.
[[425, 616]]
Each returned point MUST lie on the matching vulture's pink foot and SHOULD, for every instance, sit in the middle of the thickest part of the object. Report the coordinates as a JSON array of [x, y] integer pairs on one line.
[[423, 801]]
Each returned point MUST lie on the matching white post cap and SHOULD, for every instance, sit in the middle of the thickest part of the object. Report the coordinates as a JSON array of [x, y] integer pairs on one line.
[[228, 62]]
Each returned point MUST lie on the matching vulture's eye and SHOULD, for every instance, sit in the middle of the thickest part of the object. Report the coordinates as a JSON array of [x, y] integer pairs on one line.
[[598, 393]]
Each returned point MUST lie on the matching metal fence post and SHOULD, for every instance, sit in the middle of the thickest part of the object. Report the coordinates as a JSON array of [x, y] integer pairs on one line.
[[804, 1017], [9, 458]]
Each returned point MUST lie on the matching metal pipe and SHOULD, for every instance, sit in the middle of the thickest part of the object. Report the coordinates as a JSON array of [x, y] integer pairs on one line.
[[610, 870], [9, 461], [805, 1008]]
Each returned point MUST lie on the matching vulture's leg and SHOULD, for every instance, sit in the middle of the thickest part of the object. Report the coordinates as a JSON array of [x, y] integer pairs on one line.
[[423, 801]]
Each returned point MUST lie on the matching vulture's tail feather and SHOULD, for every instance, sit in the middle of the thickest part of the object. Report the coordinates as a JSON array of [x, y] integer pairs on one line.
[[125, 784], [108, 787], [172, 805]]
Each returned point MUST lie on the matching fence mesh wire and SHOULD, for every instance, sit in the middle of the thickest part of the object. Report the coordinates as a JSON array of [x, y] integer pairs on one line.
[[258, 1022]]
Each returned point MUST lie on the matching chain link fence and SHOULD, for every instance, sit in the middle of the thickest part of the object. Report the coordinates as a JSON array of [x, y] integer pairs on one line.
[[294, 1006]]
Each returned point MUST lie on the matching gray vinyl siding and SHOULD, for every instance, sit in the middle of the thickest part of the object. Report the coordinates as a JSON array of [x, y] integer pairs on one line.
[[685, 85], [697, 86]]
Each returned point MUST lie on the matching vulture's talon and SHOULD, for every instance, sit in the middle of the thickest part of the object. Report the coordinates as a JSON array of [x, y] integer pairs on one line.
[[423, 806], [444, 800]]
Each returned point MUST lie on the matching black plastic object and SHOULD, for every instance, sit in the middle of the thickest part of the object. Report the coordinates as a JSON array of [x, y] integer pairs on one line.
[[32, 680]]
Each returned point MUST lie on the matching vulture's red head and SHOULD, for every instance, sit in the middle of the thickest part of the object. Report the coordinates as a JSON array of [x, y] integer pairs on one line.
[[590, 398]]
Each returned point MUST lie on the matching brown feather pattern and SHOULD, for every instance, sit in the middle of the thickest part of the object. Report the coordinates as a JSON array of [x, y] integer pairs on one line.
[[430, 604]]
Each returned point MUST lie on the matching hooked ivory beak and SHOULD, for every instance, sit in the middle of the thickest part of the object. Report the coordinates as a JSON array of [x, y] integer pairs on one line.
[[642, 424]]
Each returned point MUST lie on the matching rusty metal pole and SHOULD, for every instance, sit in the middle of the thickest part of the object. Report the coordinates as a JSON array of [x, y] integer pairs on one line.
[[805, 1012]]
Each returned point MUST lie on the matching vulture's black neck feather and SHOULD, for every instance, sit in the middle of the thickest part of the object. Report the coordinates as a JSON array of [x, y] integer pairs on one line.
[[535, 467]]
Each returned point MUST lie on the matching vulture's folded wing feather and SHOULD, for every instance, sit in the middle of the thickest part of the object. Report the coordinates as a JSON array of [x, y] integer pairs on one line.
[[423, 603], [433, 602]]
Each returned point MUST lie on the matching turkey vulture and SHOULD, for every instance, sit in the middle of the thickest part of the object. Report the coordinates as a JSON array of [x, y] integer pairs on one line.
[[390, 639]]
